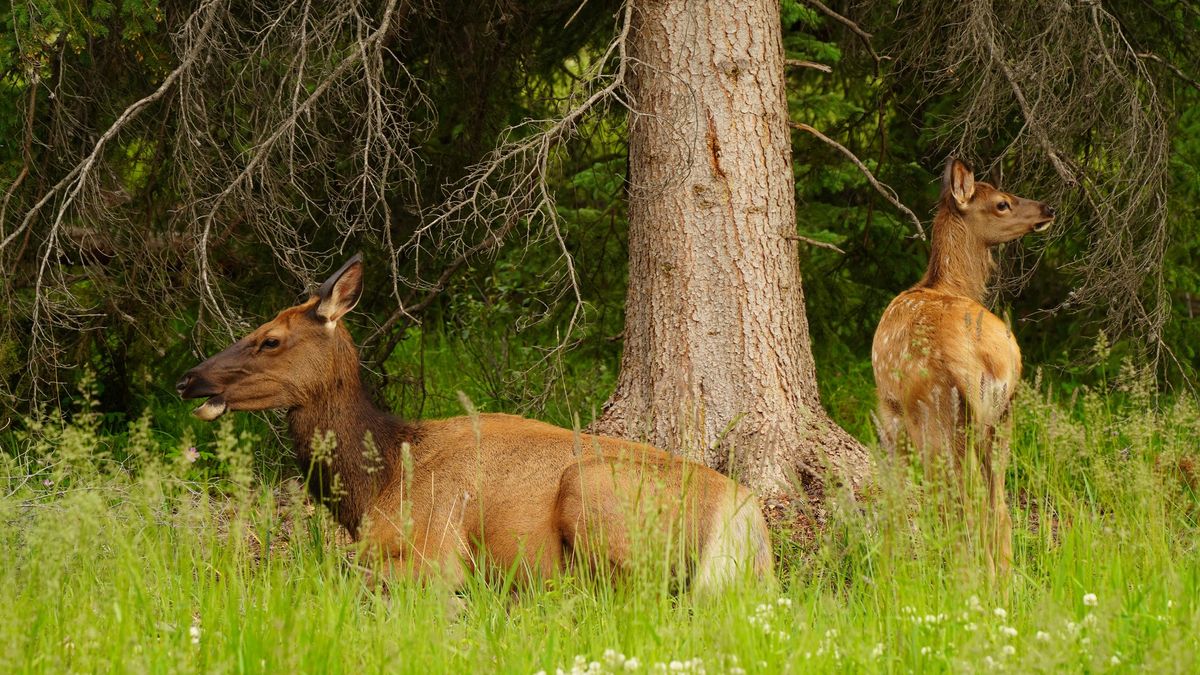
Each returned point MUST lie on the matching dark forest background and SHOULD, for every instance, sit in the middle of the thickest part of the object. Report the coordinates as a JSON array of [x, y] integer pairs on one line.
[[170, 245]]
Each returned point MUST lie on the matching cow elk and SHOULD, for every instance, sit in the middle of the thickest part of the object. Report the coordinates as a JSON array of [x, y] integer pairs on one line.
[[441, 498], [945, 367]]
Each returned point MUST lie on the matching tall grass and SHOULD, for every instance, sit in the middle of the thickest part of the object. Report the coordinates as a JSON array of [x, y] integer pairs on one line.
[[136, 552]]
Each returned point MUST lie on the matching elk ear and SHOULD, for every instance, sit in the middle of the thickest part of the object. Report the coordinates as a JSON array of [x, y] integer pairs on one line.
[[340, 292], [958, 181]]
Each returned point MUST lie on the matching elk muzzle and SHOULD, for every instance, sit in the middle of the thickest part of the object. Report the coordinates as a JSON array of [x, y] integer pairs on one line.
[[194, 384], [1048, 212]]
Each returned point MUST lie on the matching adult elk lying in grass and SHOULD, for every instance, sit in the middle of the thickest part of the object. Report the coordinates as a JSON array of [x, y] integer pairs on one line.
[[938, 350], [438, 498]]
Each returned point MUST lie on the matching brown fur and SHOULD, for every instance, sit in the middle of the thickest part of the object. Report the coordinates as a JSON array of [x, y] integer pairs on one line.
[[945, 365], [438, 498]]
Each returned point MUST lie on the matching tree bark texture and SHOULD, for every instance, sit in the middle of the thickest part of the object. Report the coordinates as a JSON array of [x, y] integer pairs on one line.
[[717, 363]]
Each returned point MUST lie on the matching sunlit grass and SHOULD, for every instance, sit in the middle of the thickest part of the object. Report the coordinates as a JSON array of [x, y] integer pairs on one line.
[[131, 553]]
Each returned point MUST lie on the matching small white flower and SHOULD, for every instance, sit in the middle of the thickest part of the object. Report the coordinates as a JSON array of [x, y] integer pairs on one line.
[[194, 631], [831, 633], [971, 627], [1000, 612], [1089, 620], [1008, 631], [632, 663], [784, 602], [925, 650], [1008, 650], [1072, 627], [1115, 660], [1090, 600], [878, 651], [1042, 636], [676, 666], [973, 603], [1170, 604], [737, 670]]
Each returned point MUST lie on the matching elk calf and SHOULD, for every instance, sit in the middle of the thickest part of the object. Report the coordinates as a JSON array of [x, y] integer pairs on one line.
[[438, 498], [945, 367]]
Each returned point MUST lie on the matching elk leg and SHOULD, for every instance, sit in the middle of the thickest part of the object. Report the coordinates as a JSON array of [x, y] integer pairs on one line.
[[1002, 531], [997, 525], [889, 425]]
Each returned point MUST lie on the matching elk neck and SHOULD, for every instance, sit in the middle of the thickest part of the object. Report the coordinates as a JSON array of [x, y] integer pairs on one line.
[[348, 477], [960, 263]]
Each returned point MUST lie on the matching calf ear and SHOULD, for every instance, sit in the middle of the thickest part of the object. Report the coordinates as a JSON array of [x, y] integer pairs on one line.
[[958, 181], [340, 292]]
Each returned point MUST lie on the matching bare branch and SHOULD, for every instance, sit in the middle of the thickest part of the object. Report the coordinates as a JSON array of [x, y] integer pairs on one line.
[[798, 63], [854, 28], [887, 192], [813, 242], [1171, 67]]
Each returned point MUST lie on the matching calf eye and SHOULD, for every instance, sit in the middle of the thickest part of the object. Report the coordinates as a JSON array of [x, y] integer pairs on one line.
[[269, 343], [1002, 206]]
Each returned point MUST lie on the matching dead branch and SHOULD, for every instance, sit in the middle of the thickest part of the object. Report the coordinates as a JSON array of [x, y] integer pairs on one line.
[[798, 63], [887, 192], [813, 242], [854, 28], [1171, 67]]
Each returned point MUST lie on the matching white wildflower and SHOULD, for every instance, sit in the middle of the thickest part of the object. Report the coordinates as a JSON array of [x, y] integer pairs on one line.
[[1008, 650], [194, 631], [926, 650], [784, 602], [1115, 660], [632, 663], [971, 627], [1042, 636], [1008, 631], [1089, 620], [878, 651], [1090, 600], [676, 666], [1000, 612], [973, 603]]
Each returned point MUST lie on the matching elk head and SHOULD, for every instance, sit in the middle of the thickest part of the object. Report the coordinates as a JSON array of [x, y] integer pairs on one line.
[[992, 215], [286, 361]]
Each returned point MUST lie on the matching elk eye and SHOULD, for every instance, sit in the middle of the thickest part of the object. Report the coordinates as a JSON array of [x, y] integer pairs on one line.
[[269, 343], [1002, 206]]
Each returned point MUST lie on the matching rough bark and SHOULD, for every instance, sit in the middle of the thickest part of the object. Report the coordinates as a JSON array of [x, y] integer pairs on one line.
[[717, 363]]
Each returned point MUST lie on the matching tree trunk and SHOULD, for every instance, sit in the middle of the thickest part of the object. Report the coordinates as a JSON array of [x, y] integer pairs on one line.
[[717, 363]]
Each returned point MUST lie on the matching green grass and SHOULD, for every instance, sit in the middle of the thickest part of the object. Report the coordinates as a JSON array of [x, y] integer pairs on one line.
[[121, 555]]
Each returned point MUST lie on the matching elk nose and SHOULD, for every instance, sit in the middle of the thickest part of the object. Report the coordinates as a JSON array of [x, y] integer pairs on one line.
[[1047, 210], [182, 385]]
